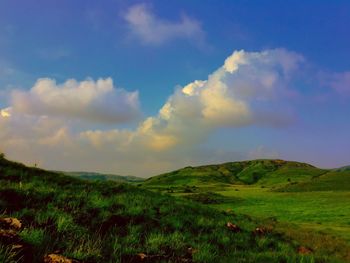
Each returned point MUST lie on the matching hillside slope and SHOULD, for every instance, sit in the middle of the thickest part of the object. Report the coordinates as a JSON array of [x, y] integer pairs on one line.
[[342, 169], [110, 222], [331, 181], [263, 172]]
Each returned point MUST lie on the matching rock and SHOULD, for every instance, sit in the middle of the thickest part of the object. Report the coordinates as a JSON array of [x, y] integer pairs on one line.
[[233, 227], [56, 258], [304, 250], [10, 223]]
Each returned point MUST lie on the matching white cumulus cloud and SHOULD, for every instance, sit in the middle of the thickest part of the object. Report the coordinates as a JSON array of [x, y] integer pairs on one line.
[[89, 100]]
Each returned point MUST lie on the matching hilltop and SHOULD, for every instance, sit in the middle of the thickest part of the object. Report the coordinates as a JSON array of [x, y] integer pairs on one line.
[[97, 221]]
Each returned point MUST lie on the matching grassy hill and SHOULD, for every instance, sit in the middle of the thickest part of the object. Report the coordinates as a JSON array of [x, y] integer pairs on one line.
[[105, 177], [342, 169], [331, 181], [96, 221], [262, 172]]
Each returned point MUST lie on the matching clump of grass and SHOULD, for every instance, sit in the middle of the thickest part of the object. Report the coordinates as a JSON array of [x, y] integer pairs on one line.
[[34, 236], [8, 255], [88, 248]]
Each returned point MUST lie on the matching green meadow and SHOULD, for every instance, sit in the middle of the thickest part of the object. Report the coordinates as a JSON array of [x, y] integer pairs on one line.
[[310, 204], [328, 211], [235, 215]]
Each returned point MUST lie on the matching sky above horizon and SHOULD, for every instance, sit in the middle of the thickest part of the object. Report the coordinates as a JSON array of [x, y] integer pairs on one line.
[[145, 87]]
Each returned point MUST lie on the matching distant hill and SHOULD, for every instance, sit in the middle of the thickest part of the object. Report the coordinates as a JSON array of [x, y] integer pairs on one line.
[[261, 172], [105, 177], [344, 168]]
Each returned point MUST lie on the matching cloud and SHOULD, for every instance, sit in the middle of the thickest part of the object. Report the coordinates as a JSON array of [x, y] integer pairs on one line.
[[89, 100], [152, 30], [340, 82], [249, 89], [5, 113], [237, 94]]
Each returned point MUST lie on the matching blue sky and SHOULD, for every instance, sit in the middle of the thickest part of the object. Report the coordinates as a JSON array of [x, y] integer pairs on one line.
[[153, 49]]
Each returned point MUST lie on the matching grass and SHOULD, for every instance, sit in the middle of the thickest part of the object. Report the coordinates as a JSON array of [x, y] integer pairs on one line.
[[331, 181], [94, 221], [326, 210], [311, 205], [8, 255]]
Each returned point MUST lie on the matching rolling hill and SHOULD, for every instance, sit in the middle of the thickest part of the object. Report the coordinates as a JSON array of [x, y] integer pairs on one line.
[[290, 192], [260, 172], [342, 169], [105, 177], [97, 221], [331, 181]]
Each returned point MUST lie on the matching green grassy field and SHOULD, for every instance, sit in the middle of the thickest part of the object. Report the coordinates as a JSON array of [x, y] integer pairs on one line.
[[322, 210], [298, 196], [96, 221]]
